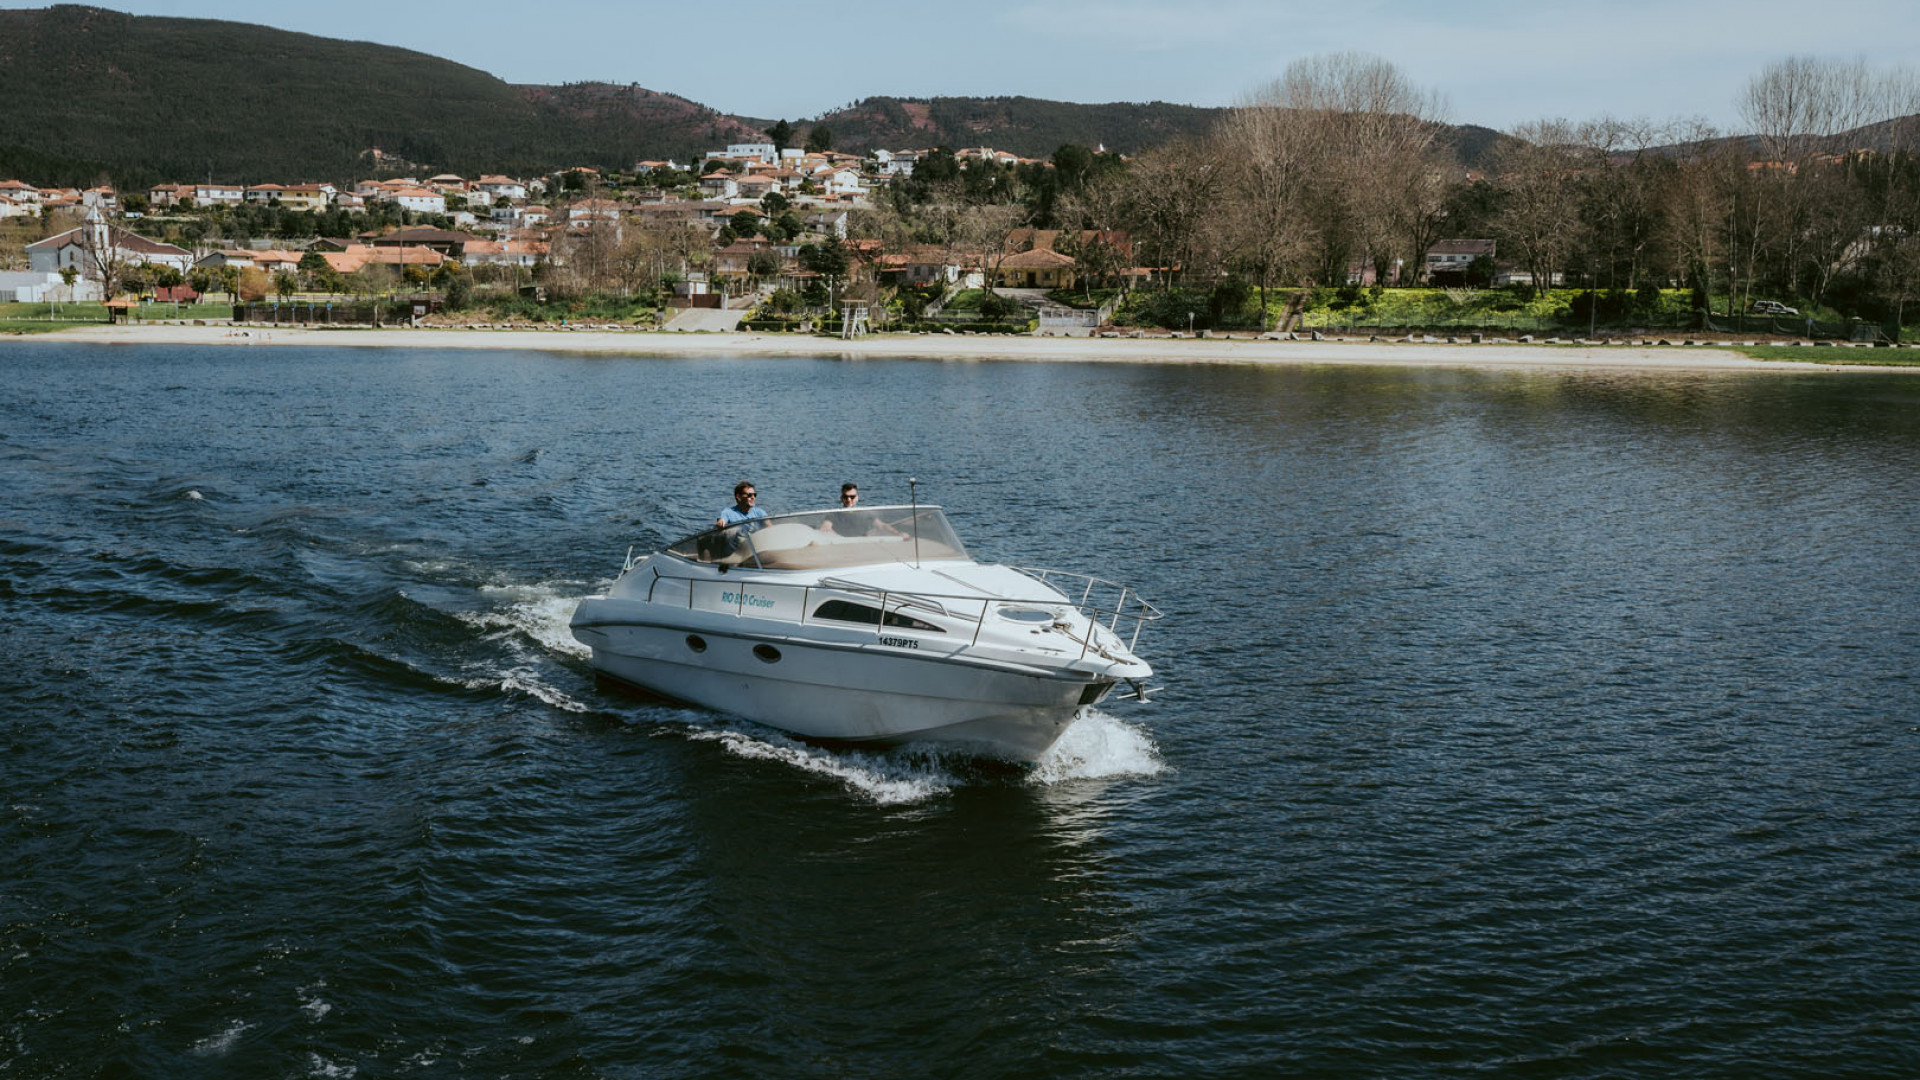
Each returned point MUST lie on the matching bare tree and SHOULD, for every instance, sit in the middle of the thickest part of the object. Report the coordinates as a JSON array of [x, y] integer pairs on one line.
[[1269, 154], [1371, 145], [985, 235], [1898, 273], [635, 262], [1538, 220], [1806, 228], [1171, 204], [1801, 105], [103, 258]]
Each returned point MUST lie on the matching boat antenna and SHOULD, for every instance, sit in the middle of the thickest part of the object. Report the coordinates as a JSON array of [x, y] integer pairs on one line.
[[913, 493]]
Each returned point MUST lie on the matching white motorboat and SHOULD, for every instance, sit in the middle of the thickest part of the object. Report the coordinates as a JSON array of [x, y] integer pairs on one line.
[[867, 626]]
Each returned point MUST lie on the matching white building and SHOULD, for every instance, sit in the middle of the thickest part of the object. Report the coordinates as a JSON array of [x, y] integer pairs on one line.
[[70, 249], [29, 287], [759, 151], [501, 187], [218, 194], [420, 200]]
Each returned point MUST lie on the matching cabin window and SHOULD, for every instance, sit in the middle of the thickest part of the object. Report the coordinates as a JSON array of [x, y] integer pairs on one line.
[[848, 611]]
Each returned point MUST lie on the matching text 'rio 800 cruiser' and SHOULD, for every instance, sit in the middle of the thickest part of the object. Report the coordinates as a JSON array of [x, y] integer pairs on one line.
[[868, 626]]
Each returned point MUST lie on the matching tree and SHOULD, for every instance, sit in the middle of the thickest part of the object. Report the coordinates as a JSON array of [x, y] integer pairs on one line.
[[1801, 224], [1802, 104], [1269, 170], [286, 284], [781, 133], [829, 260], [372, 279], [1171, 203], [1898, 275], [459, 290], [819, 140], [103, 257], [1538, 217], [762, 265], [985, 234], [252, 284], [1373, 148]]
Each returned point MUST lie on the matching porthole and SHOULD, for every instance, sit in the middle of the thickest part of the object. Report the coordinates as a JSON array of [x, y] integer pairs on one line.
[[767, 653], [696, 643]]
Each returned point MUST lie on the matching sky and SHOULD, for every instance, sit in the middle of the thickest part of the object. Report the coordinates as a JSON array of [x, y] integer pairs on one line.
[[1498, 63]]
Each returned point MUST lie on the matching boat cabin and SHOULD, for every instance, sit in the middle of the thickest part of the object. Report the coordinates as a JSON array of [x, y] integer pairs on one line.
[[828, 540]]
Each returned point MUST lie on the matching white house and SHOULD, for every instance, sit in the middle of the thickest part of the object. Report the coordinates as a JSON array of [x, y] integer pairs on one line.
[[520, 253], [899, 162], [1454, 256], [587, 211], [501, 187], [419, 200], [218, 194], [842, 182], [760, 151], [19, 192]]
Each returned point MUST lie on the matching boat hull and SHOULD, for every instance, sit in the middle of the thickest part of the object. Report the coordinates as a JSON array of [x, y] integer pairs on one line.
[[848, 692]]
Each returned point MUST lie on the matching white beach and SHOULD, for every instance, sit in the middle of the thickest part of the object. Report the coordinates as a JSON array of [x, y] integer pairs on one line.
[[1703, 357]]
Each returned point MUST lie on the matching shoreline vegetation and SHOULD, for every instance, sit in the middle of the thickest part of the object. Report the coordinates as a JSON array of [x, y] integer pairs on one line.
[[1544, 354]]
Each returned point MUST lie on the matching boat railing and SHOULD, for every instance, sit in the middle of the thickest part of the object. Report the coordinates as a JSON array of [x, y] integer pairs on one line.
[[1105, 603], [1125, 605]]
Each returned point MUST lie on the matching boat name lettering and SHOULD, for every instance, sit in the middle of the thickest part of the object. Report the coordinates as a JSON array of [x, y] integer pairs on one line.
[[900, 642], [752, 600]]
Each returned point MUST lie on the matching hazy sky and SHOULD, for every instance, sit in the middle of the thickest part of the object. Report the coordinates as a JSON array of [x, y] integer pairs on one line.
[[1498, 62]]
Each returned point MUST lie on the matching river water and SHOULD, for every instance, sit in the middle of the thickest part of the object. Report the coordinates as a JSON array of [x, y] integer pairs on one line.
[[1515, 724]]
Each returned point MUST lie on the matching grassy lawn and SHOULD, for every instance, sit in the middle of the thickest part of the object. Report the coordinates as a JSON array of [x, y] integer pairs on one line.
[[966, 300], [20, 317], [1814, 354], [1474, 309], [39, 326], [65, 312]]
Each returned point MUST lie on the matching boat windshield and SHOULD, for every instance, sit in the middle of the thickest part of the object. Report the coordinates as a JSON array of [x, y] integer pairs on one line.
[[829, 539]]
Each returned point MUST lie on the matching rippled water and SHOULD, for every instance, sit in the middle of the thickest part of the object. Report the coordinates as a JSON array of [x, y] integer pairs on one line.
[[1516, 724]]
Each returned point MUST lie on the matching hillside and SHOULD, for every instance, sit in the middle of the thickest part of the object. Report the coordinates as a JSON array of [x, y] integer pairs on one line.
[[141, 99], [1030, 127], [135, 100]]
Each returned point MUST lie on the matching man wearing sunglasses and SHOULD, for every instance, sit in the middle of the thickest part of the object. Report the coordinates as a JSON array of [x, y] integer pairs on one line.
[[853, 522], [745, 507]]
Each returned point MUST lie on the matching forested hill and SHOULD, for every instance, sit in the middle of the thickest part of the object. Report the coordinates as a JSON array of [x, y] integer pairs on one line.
[[94, 94], [1033, 127], [1030, 127]]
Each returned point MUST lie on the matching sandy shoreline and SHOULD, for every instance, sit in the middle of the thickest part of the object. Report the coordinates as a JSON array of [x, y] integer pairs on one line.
[[942, 347]]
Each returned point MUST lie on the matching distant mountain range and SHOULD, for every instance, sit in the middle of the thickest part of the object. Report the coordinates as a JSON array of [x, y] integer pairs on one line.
[[135, 100]]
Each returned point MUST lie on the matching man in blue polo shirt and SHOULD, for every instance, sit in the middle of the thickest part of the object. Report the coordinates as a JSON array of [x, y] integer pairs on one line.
[[743, 508]]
